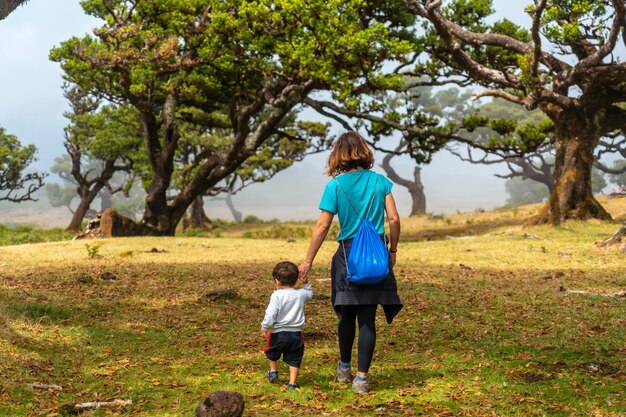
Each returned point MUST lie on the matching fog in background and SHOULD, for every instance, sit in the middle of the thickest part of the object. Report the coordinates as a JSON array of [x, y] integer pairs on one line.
[[32, 106]]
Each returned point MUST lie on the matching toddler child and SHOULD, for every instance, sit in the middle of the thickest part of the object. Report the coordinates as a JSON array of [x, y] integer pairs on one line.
[[283, 322]]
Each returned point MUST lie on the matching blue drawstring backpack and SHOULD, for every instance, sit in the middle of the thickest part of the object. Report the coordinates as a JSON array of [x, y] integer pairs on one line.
[[368, 262]]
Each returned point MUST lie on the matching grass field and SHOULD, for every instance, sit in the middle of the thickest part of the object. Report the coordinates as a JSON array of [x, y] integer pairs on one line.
[[489, 325]]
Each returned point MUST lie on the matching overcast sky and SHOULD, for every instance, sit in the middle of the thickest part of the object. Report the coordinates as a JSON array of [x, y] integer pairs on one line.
[[32, 106]]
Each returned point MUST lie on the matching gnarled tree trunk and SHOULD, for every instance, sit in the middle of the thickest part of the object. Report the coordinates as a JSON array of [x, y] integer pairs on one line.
[[197, 217], [415, 187], [88, 189], [86, 198], [416, 191], [157, 217], [237, 215], [572, 193], [161, 137]]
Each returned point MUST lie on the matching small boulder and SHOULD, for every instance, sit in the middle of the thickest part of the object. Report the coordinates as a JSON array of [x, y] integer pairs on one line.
[[108, 276], [92, 231], [113, 224], [110, 223], [221, 404], [155, 250]]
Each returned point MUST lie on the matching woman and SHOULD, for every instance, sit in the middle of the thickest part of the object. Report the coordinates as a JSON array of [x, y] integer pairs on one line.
[[355, 188]]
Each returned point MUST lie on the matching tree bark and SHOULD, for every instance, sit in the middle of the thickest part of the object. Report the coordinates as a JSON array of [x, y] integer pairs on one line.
[[87, 190], [157, 219], [197, 217], [572, 195], [237, 215], [86, 198], [415, 187], [417, 193]]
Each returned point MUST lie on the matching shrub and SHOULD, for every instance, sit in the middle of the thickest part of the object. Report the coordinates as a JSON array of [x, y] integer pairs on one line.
[[17, 235], [251, 218]]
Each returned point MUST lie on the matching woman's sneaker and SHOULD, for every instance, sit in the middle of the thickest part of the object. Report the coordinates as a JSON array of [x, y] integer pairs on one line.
[[343, 375], [292, 387], [360, 385], [272, 376]]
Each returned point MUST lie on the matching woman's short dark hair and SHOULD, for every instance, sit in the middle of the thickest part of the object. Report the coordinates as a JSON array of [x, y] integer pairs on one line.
[[286, 273], [350, 151]]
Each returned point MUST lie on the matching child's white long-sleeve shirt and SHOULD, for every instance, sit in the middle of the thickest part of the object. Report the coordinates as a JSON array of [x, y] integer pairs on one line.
[[285, 311]]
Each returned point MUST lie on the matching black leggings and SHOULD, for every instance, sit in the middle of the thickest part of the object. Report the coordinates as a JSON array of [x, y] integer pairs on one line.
[[366, 315]]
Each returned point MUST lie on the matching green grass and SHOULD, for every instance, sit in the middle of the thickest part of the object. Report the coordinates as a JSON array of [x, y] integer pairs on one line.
[[18, 235], [493, 338], [40, 311]]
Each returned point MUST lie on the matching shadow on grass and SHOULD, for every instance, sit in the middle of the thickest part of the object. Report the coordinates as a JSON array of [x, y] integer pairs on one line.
[[41, 311], [462, 342]]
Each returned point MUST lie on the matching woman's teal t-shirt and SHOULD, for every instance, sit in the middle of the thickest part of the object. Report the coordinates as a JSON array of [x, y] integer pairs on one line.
[[359, 186]]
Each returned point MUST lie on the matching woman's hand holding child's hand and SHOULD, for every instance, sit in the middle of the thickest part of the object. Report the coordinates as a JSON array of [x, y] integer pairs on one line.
[[304, 269]]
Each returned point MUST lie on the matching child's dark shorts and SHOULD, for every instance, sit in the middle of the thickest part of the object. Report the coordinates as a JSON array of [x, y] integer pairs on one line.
[[288, 344]]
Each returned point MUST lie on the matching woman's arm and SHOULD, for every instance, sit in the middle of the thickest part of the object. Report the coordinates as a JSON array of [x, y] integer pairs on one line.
[[394, 227], [319, 234]]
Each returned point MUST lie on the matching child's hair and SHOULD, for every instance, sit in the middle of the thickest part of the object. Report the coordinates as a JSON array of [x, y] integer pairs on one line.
[[286, 273]]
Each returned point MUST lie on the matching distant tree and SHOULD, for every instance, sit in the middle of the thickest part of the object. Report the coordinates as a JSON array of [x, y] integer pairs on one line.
[[598, 181], [61, 195], [16, 185], [237, 215], [100, 140], [445, 106], [413, 185], [619, 178], [507, 122], [243, 65], [121, 191], [411, 122], [611, 145], [523, 190], [130, 201], [563, 65], [298, 139]]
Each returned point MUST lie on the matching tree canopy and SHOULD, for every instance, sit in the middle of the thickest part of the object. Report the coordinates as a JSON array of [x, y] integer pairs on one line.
[[8, 6], [565, 64], [237, 65], [16, 185], [101, 140]]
